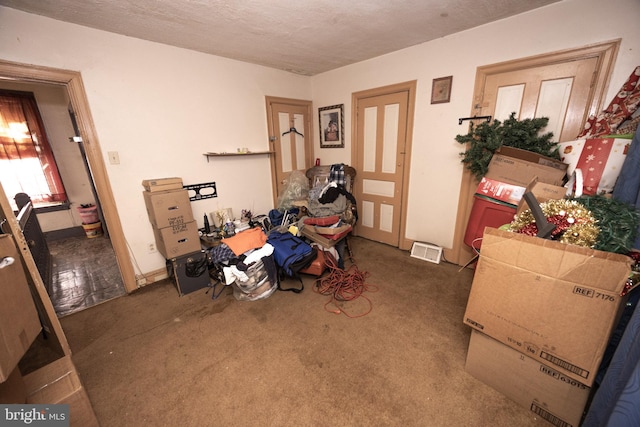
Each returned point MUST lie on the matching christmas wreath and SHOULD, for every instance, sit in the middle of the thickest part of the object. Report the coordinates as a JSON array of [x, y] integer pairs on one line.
[[596, 222], [574, 223]]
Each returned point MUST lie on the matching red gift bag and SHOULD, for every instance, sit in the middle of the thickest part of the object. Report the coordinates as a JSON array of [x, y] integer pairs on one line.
[[600, 160], [622, 107]]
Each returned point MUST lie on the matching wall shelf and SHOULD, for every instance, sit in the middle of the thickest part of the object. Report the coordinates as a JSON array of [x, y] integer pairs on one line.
[[250, 153]]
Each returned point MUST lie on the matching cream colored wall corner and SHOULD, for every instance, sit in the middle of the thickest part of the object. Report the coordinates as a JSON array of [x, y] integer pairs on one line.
[[436, 170], [160, 108]]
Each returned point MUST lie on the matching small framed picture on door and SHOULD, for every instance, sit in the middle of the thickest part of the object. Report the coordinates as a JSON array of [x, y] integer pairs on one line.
[[331, 124]]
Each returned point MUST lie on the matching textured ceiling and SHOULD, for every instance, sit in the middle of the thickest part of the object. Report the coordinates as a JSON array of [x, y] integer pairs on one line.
[[303, 37]]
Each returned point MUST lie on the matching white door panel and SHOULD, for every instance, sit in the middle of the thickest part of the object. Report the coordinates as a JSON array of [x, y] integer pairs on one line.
[[508, 100]]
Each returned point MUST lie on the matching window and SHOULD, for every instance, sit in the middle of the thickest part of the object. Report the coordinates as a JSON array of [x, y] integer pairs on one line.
[[27, 164]]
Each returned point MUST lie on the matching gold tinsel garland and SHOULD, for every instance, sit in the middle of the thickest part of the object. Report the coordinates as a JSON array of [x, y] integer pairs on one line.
[[574, 223]]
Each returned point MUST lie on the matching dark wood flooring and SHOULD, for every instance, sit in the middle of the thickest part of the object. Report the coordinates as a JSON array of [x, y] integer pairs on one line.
[[84, 273]]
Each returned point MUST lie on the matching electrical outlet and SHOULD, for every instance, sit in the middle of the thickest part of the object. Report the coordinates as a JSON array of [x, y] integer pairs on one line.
[[151, 248]]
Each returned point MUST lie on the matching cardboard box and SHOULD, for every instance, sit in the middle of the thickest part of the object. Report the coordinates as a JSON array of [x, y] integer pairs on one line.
[[177, 240], [508, 193], [514, 166], [19, 322], [554, 302], [331, 231], [309, 233], [532, 157], [543, 390], [168, 208], [13, 390], [162, 184], [543, 192], [59, 383]]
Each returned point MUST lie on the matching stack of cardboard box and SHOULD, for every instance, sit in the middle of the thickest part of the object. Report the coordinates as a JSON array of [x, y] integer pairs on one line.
[[511, 173], [169, 210], [542, 313], [176, 232]]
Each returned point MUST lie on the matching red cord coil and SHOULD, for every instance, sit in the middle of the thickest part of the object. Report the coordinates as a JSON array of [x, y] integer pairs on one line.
[[343, 285]]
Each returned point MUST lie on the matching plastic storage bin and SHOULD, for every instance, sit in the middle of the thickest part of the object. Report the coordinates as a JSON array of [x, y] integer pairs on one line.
[[486, 212], [88, 214]]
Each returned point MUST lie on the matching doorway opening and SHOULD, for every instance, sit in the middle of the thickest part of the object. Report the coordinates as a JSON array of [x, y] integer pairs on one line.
[[290, 141], [78, 268], [72, 82]]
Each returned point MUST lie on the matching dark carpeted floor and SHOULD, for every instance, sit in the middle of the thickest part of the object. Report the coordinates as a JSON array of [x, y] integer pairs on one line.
[[153, 358]]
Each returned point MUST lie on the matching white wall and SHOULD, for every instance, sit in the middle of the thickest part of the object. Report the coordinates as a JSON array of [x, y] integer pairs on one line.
[[436, 170], [161, 108]]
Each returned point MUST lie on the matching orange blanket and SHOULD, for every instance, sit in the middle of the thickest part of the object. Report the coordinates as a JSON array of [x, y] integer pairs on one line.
[[242, 242]]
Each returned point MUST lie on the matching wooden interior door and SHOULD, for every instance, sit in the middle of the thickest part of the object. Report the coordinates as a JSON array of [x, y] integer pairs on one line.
[[565, 86], [560, 93], [290, 139], [52, 328], [382, 145]]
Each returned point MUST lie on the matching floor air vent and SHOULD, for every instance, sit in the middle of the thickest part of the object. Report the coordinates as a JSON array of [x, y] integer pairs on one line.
[[426, 252]]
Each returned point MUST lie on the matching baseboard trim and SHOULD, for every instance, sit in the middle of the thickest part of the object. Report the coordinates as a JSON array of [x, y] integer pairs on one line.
[[151, 277], [65, 233]]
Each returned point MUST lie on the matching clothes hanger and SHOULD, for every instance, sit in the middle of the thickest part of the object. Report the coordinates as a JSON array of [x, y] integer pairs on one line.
[[294, 130]]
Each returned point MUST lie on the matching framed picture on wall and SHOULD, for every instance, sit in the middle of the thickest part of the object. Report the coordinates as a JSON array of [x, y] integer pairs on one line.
[[331, 124], [441, 90]]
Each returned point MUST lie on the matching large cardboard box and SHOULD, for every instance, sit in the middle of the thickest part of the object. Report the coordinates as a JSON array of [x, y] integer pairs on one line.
[[168, 208], [519, 167], [180, 239], [19, 322], [554, 302], [543, 390], [162, 184], [13, 390], [58, 383], [543, 192]]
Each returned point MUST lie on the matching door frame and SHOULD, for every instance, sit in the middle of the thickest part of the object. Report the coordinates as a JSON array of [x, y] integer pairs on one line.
[[410, 88], [72, 81], [606, 53], [309, 142]]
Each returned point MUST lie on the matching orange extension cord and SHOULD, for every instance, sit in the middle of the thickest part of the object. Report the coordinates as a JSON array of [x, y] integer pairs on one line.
[[343, 285]]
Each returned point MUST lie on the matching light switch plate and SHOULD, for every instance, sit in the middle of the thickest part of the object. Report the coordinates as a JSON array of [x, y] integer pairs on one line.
[[114, 157]]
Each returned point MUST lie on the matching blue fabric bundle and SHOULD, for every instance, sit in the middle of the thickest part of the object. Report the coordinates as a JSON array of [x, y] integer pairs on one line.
[[627, 188]]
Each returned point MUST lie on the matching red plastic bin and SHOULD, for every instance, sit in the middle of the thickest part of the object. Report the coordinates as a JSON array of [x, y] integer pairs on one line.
[[486, 212]]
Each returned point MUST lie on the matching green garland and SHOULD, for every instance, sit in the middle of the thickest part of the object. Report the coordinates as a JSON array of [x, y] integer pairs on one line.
[[484, 139], [618, 223]]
